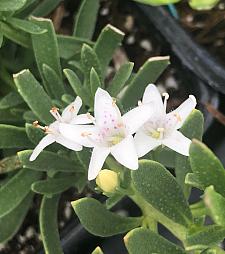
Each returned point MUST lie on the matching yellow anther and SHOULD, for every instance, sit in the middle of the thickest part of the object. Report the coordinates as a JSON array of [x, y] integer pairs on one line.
[[179, 119], [114, 102]]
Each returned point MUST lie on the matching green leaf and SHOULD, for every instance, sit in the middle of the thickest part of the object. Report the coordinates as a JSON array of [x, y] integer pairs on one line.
[[16, 189], [94, 81], [54, 82], [84, 27], [49, 225], [26, 26], [45, 48], [54, 185], [10, 100], [9, 164], [34, 134], [45, 7], [147, 74], [203, 4], [144, 241], [207, 168], [48, 161], [182, 163], [13, 137], [99, 221], [120, 78], [70, 46], [108, 40], [163, 155], [113, 200], [77, 86], [11, 222], [207, 237], [1, 39], [67, 98], [34, 95], [97, 251], [90, 60], [169, 200], [12, 5], [9, 117], [16, 35], [216, 205]]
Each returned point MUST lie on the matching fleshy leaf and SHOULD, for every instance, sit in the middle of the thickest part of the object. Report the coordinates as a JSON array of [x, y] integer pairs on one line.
[[13, 137], [207, 168], [144, 241], [147, 74], [108, 40], [84, 27], [9, 164], [192, 128], [169, 200], [99, 221], [16, 189], [49, 225], [216, 205], [97, 251], [207, 237], [34, 95], [12, 5], [14, 219], [48, 161], [10, 100]]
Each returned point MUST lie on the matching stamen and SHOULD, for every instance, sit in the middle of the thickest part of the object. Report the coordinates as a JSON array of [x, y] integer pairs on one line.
[[85, 134], [55, 112], [166, 95], [72, 109], [140, 103], [37, 125], [114, 102], [179, 119], [90, 117]]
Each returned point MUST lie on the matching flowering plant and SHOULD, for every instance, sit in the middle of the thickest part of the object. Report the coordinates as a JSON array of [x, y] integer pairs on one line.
[[114, 138]]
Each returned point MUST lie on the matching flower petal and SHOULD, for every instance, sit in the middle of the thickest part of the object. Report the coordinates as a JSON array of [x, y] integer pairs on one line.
[[98, 157], [47, 140], [144, 143], [82, 119], [68, 143], [178, 142], [152, 95], [125, 153], [106, 111], [72, 110], [136, 117], [182, 112], [80, 134]]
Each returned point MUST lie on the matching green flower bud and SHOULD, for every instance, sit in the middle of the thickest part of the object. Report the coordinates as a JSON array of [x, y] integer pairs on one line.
[[107, 180]]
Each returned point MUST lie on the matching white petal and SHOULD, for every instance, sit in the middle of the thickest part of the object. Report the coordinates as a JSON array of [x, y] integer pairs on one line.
[[125, 153], [178, 142], [80, 134], [98, 157], [47, 140], [144, 143], [182, 112], [136, 117], [71, 110], [105, 109], [152, 95], [68, 143], [82, 119]]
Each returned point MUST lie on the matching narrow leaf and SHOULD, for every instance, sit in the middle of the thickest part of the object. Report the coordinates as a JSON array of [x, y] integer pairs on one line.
[[45, 7], [12, 5], [11, 222], [10, 100], [120, 78], [16, 189], [48, 161], [13, 137], [94, 81], [34, 95], [100, 221], [9, 164], [108, 40], [49, 225], [84, 27], [147, 74]]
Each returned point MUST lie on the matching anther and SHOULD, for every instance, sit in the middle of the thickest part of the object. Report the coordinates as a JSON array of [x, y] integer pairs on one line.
[[177, 116], [37, 125], [85, 134], [113, 102], [54, 109], [72, 109]]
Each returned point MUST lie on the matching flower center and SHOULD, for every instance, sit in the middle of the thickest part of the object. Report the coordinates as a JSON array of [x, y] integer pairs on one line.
[[115, 139], [157, 134]]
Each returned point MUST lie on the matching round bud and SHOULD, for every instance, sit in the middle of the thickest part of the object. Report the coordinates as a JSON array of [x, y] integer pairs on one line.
[[107, 180]]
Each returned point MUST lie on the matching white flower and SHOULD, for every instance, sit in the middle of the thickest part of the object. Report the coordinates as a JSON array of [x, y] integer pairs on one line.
[[111, 133], [69, 115], [162, 128]]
